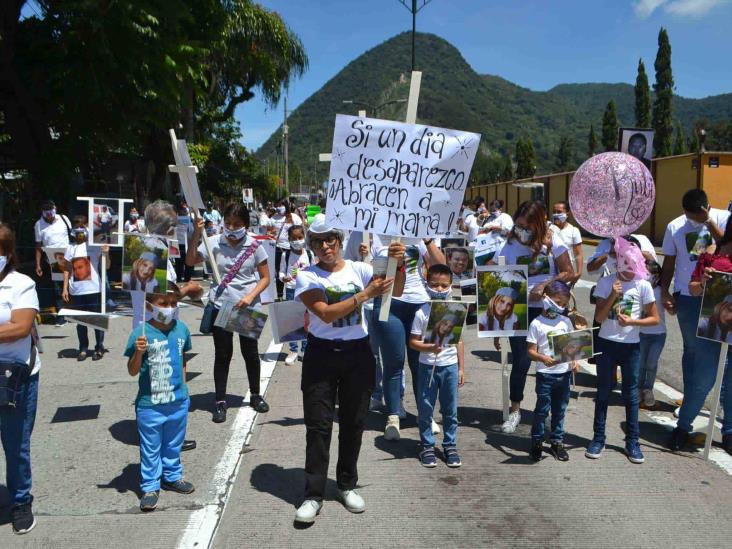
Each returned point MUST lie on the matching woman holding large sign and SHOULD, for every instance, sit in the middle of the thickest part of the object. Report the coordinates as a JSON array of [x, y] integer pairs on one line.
[[531, 243], [338, 362]]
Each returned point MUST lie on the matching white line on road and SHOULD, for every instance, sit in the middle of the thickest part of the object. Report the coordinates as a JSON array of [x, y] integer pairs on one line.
[[202, 524]]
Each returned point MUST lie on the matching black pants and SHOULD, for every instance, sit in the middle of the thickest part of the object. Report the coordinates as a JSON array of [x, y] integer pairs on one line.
[[280, 285], [182, 271], [224, 350], [347, 374]]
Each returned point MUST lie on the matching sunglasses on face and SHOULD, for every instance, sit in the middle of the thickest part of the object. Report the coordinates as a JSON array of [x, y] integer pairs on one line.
[[319, 244]]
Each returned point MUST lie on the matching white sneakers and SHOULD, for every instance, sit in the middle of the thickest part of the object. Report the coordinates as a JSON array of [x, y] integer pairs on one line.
[[291, 358], [435, 428], [352, 501], [391, 431], [509, 426], [308, 511]]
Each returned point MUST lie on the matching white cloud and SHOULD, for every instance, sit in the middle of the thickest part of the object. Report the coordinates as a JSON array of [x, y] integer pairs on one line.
[[644, 8], [692, 8]]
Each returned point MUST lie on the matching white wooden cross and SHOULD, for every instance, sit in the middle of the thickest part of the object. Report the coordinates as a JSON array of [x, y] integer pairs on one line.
[[187, 172]]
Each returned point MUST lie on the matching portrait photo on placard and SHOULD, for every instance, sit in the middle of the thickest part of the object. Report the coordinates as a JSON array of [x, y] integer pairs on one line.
[[460, 262], [637, 142], [503, 297], [571, 346], [715, 317], [289, 321], [445, 323], [105, 222], [248, 321], [145, 264], [57, 262]]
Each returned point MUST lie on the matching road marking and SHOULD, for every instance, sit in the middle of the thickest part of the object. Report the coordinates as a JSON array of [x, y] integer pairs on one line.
[[720, 457], [202, 524]]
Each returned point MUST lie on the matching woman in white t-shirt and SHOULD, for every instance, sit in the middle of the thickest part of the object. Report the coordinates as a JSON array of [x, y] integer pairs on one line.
[[18, 309], [279, 224], [338, 361], [531, 242], [134, 224], [570, 236]]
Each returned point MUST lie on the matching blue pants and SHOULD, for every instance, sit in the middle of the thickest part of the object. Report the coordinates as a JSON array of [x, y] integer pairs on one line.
[[290, 296], [444, 383], [552, 394], [393, 337], [651, 346], [92, 303], [627, 355], [520, 361], [378, 393], [162, 429], [687, 312], [16, 427], [701, 381]]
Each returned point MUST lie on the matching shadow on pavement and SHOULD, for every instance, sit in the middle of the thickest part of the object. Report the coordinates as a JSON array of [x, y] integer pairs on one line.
[[405, 448], [127, 481], [4, 504], [286, 484], [68, 353], [205, 402], [125, 431]]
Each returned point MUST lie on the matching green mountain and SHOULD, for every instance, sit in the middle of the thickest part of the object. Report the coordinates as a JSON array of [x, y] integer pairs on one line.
[[453, 95]]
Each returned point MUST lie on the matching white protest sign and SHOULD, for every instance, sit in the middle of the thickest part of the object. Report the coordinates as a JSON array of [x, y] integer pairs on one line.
[[397, 179], [187, 171], [247, 196]]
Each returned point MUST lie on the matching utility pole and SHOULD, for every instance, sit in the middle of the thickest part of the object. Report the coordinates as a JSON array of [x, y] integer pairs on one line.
[[285, 131], [413, 10]]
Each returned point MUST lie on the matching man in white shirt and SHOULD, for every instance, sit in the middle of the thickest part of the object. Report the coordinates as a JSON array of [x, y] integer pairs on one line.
[[686, 238], [51, 231]]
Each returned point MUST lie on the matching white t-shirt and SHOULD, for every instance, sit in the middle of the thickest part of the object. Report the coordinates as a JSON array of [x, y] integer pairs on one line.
[[484, 325], [605, 247], [687, 240], [338, 286], [539, 331], [53, 235], [659, 328], [138, 227], [448, 355], [280, 223], [541, 268], [83, 261], [571, 237], [637, 294], [414, 291], [17, 291], [294, 264]]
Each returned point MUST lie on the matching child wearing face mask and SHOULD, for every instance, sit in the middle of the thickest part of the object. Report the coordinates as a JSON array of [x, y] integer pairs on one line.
[[162, 402], [291, 262], [625, 304], [553, 377], [441, 372], [652, 339]]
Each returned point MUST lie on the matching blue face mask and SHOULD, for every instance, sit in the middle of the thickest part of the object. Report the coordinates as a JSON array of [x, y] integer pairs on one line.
[[237, 234], [561, 218], [551, 309], [434, 294]]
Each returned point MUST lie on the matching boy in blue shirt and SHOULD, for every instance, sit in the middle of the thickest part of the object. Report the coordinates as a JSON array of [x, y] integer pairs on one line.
[[162, 400]]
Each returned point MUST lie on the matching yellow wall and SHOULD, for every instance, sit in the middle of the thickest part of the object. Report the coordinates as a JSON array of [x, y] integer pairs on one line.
[[717, 182]]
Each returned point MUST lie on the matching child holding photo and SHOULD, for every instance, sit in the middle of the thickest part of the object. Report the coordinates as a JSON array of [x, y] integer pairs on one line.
[[441, 372], [499, 315], [553, 376], [293, 261], [162, 399]]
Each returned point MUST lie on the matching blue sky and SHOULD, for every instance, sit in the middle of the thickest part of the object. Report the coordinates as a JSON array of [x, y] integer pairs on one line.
[[534, 43]]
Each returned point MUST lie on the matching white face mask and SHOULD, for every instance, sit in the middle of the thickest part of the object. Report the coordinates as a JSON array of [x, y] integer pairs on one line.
[[281, 210], [434, 294], [237, 234], [164, 315], [297, 244], [524, 235], [49, 214], [551, 307], [3, 262], [561, 218]]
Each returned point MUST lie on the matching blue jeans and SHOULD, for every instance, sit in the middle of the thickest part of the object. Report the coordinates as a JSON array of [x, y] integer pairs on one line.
[[378, 393], [520, 361], [92, 303], [444, 383], [290, 296], [627, 355], [552, 394], [16, 427], [392, 338], [162, 429], [651, 346], [701, 381], [687, 312]]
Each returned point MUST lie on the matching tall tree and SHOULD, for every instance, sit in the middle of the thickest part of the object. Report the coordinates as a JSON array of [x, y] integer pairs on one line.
[[591, 142], [525, 158], [565, 152], [642, 97], [693, 141], [664, 89], [507, 173], [610, 125], [680, 146]]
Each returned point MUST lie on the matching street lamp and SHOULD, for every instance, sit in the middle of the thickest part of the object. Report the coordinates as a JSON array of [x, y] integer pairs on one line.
[[372, 108]]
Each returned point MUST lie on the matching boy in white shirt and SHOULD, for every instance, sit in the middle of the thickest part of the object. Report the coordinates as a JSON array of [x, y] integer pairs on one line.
[[441, 370], [553, 378]]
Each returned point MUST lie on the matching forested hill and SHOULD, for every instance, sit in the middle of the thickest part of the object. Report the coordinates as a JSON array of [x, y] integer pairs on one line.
[[453, 95]]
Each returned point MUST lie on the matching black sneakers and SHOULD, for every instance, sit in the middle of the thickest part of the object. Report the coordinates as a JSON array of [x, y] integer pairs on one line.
[[679, 438], [149, 502], [536, 450], [22, 518], [258, 403], [558, 451], [181, 486], [219, 415]]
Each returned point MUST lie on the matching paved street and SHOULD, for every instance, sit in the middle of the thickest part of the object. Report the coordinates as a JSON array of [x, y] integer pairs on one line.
[[86, 468]]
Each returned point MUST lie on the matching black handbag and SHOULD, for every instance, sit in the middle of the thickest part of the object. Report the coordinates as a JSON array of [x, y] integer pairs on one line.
[[209, 317], [13, 374]]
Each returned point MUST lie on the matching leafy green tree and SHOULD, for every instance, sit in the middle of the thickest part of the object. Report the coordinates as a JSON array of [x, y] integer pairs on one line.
[[507, 173], [525, 158], [610, 125], [664, 89], [565, 154], [591, 142], [693, 141], [680, 146], [642, 98]]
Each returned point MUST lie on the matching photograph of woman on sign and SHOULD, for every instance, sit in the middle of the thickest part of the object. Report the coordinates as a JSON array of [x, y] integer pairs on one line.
[[715, 318], [445, 324], [502, 300]]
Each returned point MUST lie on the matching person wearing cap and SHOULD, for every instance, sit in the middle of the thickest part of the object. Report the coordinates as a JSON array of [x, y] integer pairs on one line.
[[499, 314], [338, 361], [712, 330], [51, 230]]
